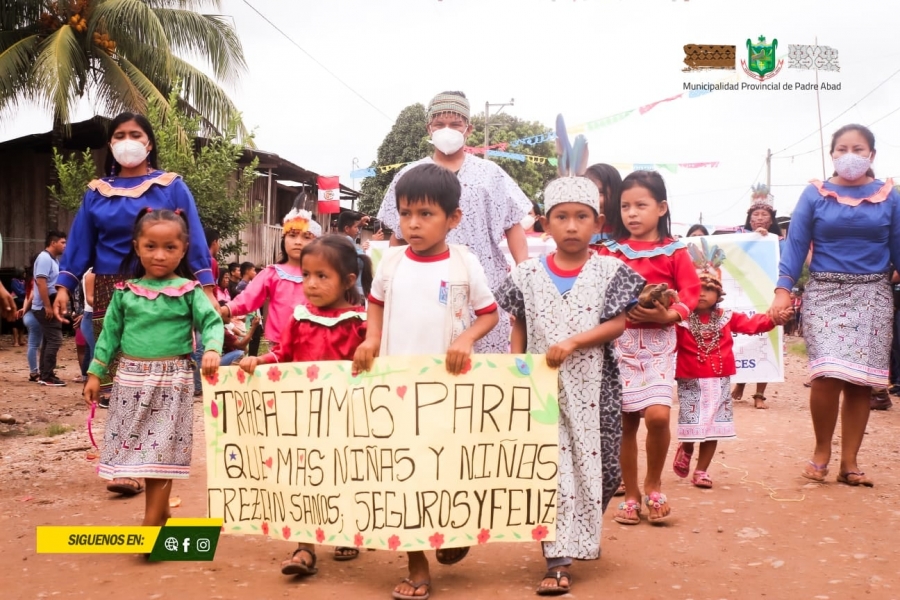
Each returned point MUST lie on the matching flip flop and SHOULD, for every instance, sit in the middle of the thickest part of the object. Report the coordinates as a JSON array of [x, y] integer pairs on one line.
[[557, 589], [655, 501], [818, 473], [291, 567], [451, 556], [682, 463], [629, 507], [346, 553], [415, 587], [125, 489], [859, 478]]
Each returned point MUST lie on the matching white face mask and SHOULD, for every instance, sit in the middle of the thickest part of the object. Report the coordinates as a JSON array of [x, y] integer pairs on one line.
[[449, 141], [129, 153], [527, 222], [852, 166]]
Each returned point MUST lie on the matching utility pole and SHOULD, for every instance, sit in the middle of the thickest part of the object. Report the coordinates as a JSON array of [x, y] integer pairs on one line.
[[487, 120], [769, 169], [819, 108]]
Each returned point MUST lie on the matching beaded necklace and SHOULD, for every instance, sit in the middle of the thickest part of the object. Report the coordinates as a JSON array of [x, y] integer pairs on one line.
[[708, 336]]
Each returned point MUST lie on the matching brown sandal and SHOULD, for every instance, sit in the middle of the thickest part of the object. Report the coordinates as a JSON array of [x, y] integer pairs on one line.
[[858, 479], [292, 567]]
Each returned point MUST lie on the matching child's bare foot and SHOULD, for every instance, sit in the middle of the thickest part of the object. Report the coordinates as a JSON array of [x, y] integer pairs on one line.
[[738, 392], [759, 401]]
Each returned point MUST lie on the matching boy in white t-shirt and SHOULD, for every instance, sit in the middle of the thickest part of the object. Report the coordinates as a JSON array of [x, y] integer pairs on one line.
[[422, 300]]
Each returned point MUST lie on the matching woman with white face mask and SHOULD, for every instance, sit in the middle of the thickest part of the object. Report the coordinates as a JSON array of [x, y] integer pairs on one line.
[[492, 204], [853, 223], [101, 235]]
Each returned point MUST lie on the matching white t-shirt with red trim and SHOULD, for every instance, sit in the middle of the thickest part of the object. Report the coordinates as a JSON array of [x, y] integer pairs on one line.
[[419, 296]]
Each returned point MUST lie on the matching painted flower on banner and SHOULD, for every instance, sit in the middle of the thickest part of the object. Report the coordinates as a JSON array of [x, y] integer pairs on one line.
[[320, 535], [265, 528], [523, 367], [437, 540], [466, 367], [393, 542], [539, 533], [484, 535], [213, 379], [274, 374], [241, 376], [312, 372], [214, 410], [358, 540], [286, 532]]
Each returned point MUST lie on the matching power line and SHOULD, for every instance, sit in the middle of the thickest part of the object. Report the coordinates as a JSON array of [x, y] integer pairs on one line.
[[741, 197], [313, 58], [870, 92]]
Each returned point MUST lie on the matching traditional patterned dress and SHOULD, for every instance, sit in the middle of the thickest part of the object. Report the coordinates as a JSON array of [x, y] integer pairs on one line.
[[704, 372], [100, 236], [646, 351], [491, 203], [847, 310], [590, 422], [149, 427]]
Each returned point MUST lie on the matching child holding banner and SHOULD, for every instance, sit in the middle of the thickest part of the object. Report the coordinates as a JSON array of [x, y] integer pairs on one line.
[[641, 237], [420, 302], [281, 283], [704, 370], [149, 432], [329, 327], [570, 305]]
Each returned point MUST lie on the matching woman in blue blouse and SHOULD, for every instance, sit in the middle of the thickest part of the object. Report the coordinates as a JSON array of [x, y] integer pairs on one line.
[[853, 223]]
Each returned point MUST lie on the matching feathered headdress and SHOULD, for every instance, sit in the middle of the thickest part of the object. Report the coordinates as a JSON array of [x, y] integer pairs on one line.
[[299, 219], [761, 198], [709, 259], [709, 282], [572, 160]]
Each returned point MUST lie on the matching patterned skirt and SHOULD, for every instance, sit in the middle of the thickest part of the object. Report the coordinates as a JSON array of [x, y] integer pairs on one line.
[[149, 428], [704, 409], [104, 286], [848, 326], [647, 363]]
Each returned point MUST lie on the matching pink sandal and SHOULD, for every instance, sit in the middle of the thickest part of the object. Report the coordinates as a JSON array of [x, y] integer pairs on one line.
[[682, 464], [629, 513], [702, 479]]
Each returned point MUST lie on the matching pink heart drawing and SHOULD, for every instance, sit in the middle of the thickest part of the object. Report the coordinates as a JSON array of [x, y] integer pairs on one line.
[[270, 403], [401, 391], [268, 462]]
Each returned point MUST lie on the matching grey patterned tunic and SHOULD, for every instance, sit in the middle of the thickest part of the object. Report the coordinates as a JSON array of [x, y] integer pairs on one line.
[[590, 395]]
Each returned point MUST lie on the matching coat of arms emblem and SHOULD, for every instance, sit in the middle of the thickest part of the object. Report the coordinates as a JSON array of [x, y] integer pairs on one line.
[[761, 63]]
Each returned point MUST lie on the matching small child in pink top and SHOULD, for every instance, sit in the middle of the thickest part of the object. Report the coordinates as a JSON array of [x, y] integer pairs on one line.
[[282, 283]]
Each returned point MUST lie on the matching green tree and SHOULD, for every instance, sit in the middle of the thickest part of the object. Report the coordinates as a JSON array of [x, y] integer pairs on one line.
[[408, 141], [210, 168], [119, 53], [73, 173]]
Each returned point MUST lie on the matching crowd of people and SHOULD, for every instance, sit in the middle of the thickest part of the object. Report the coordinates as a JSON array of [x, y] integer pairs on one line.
[[154, 297]]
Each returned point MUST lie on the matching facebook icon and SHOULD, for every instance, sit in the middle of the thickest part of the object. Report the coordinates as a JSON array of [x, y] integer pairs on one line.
[[186, 543]]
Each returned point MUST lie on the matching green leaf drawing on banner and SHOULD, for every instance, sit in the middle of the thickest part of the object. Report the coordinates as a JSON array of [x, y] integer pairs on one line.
[[499, 537], [548, 414], [254, 528], [529, 360], [424, 369], [326, 377], [235, 527], [346, 537], [308, 533], [407, 545], [516, 534], [340, 368], [380, 541], [226, 378], [284, 374], [298, 371], [515, 371], [420, 541], [331, 539], [476, 365], [469, 537], [437, 361], [491, 365]]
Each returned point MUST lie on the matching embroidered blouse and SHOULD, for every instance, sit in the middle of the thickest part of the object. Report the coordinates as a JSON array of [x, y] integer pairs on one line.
[[100, 236], [852, 230], [320, 334], [688, 365], [659, 262], [282, 286], [152, 318]]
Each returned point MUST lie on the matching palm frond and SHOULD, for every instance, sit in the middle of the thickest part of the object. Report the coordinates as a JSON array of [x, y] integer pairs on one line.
[[114, 88], [206, 97], [137, 32], [209, 37], [19, 13], [16, 60], [60, 71]]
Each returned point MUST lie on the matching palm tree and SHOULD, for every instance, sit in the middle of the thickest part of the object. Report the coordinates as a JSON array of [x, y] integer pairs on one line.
[[121, 54]]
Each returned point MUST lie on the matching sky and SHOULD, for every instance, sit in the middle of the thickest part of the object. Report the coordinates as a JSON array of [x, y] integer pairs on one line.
[[586, 59]]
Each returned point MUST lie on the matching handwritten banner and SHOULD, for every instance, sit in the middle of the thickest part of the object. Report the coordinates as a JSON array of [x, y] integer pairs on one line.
[[406, 457], [748, 276]]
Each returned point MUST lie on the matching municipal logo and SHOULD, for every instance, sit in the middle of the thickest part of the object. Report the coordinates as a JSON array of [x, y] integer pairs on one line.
[[761, 63]]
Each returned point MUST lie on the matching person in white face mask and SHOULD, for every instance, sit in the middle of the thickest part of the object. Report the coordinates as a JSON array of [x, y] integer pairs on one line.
[[853, 223], [492, 204], [101, 235]]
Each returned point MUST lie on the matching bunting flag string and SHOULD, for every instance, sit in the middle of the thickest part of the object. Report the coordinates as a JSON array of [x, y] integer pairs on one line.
[[540, 160]]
